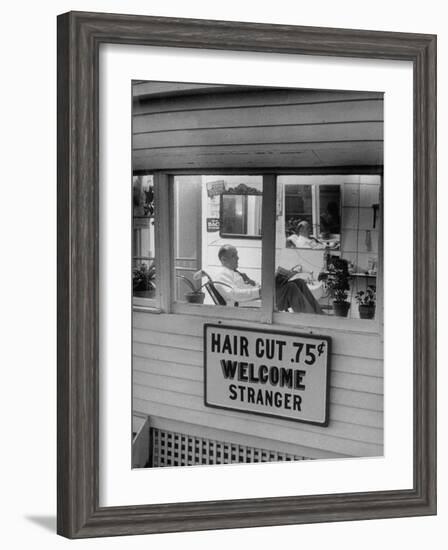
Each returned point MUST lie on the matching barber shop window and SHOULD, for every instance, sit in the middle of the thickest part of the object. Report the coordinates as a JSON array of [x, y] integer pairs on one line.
[[217, 236], [271, 245], [327, 245]]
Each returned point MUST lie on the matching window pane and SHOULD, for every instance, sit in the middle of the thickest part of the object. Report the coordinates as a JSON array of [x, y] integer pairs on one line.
[[327, 245], [240, 215], [217, 239], [234, 214], [143, 254], [298, 207]]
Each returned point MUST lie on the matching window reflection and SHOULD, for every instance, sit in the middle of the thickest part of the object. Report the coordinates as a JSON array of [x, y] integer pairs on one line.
[[240, 215], [312, 214], [329, 211]]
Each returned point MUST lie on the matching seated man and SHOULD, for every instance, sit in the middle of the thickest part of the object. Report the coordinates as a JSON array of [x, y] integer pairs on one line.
[[294, 294], [239, 287]]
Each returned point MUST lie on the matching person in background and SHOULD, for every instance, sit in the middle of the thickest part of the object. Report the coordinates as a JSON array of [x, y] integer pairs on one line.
[[330, 221], [303, 238], [289, 294]]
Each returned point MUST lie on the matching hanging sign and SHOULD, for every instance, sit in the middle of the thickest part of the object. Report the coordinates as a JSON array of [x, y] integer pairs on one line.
[[282, 374], [215, 188], [212, 225]]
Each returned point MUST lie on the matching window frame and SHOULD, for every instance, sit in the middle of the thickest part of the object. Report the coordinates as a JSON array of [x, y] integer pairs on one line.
[[164, 300], [138, 301]]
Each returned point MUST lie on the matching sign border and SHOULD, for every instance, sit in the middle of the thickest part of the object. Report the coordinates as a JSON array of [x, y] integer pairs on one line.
[[326, 421]]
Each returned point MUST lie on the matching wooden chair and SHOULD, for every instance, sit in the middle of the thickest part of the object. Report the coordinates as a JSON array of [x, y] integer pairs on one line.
[[215, 295]]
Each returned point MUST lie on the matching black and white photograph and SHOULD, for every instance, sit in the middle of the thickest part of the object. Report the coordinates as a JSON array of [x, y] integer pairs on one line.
[[256, 274], [221, 303]]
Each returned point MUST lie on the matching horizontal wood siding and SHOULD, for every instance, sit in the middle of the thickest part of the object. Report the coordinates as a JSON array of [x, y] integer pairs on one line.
[[168, 378], [275, 128]]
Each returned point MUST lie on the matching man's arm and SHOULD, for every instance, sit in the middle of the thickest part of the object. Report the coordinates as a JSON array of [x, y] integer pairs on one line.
[[235, 293]]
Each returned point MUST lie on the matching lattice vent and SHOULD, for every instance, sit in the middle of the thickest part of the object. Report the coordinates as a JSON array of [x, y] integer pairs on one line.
[[176, 449]]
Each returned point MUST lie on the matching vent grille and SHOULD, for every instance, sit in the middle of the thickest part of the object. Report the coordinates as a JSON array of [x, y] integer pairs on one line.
[[177, 449]]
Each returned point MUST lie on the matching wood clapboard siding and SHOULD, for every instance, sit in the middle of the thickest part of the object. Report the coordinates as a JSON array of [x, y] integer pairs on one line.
[[168, 384], [188, 328], [280, 433], [157, 340], [346, 431], [354, 398], [181, 384], [260, 156], [275, 128], [280, 116], [341, 380], [366, 383], [287, 134]]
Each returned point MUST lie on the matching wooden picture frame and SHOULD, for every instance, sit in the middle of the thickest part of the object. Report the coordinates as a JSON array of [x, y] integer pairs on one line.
[[79, 38]]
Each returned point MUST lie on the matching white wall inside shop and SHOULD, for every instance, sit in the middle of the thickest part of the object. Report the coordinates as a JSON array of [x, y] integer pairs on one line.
[[249, 250]]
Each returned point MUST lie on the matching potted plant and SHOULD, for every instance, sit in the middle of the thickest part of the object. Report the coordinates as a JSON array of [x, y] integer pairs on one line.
[[143, 280], [366, 302], [196, 296], [337, 282]]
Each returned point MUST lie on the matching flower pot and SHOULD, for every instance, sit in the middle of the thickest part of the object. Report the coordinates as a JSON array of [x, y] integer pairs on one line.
[[195, 297], [341, 308], [366, 312]]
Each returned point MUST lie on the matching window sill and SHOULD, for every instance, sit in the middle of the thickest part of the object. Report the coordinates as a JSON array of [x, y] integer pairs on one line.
[[145, 305], [306, 322], [309, 322], [219, 312]]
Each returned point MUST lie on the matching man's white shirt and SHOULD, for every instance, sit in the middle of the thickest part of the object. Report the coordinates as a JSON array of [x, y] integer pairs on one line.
[[299, 241], [239, 291]]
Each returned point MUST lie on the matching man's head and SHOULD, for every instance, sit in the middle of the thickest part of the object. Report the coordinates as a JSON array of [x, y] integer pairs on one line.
[[228, 256], [303, 228]]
